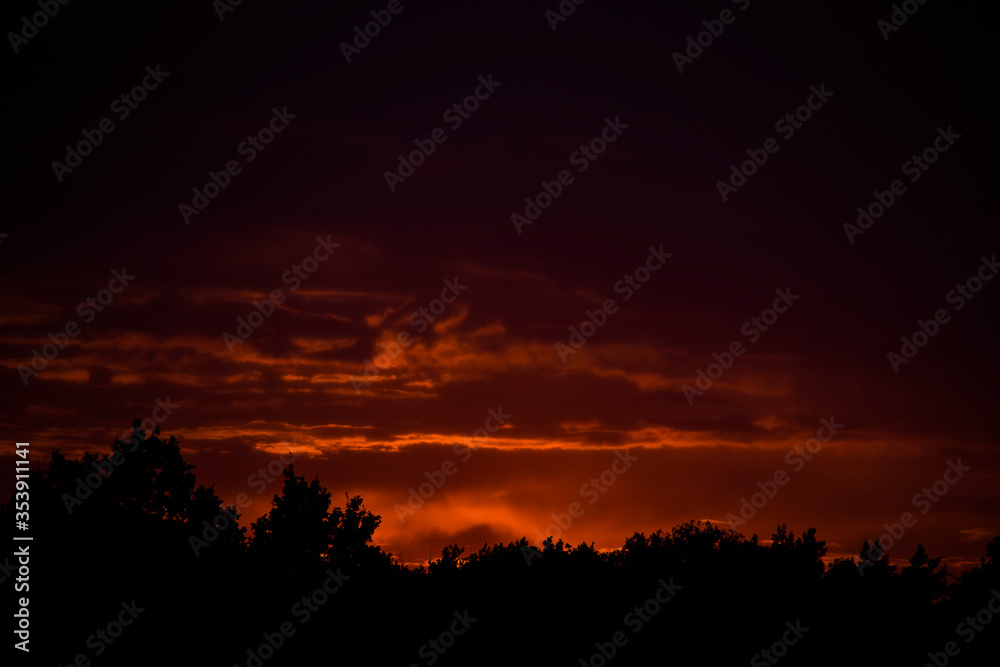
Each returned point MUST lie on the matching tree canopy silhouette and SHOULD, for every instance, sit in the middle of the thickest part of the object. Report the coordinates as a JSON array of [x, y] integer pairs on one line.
[[116, 527]]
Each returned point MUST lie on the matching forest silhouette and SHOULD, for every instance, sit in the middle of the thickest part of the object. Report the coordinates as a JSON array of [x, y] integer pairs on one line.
[[307, 585]]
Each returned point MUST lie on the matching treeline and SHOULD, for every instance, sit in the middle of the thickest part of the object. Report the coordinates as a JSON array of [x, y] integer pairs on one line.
[[131, 536]]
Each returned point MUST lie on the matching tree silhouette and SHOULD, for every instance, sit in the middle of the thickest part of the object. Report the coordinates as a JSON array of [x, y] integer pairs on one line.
[[301, 530], [450, 561], [297, 529], [126, 518], [353, 531]]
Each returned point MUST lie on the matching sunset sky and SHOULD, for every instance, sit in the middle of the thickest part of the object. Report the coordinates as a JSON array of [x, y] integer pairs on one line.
[[649, 199]]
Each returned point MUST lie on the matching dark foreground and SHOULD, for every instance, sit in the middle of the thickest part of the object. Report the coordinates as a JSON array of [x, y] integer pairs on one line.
[[117, 581]]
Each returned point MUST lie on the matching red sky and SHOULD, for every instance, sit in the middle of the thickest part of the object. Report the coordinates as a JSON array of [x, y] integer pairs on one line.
[[289, 386]]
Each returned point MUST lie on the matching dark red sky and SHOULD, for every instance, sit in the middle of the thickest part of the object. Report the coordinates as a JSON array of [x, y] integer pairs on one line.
[[290, 385]]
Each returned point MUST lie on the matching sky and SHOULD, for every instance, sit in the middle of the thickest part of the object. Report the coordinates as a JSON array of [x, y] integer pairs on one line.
[[496, 251]]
